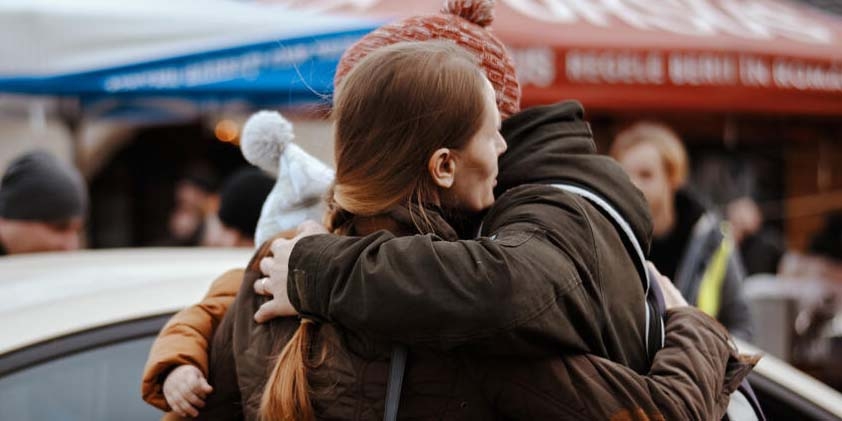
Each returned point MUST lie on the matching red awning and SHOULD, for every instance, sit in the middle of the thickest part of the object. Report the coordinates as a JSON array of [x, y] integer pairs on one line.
[[766, 56]]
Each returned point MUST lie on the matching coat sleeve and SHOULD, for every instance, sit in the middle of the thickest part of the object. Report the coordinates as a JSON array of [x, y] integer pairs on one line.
[[691, 378], [515, 290], [224, 403], [185, 338], [735, 313]]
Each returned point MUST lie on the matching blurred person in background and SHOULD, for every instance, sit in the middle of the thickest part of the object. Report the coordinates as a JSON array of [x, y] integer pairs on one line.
[[539, 133], [827, 243], [823, 257], [761, 248], [691, 245], [42, 205], [240, 202], [195, 198], [729, 182]]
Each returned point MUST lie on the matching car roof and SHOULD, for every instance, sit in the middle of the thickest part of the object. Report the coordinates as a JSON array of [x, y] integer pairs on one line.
[[47, 295]]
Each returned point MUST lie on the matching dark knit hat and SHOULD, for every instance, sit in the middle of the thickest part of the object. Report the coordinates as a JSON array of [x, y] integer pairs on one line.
[[241, 199], [39, 187]]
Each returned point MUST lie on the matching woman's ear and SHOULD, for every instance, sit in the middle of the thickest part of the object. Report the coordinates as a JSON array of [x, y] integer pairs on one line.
[[442, 167]]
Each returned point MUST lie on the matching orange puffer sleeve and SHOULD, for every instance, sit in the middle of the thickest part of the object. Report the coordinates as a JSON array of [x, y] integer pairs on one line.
[[185, 338]]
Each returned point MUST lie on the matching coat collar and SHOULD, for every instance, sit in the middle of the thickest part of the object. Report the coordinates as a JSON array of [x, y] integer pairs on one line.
[[405, 220]]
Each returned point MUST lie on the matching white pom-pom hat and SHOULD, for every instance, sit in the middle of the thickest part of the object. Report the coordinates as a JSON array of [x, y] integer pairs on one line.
[[302, 179], [265, 136]]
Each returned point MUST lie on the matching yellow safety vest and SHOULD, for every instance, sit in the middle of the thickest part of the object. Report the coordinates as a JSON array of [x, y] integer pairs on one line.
[[711, 286]]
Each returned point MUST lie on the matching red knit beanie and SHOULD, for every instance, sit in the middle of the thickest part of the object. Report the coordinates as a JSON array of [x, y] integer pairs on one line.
[[461, 21]]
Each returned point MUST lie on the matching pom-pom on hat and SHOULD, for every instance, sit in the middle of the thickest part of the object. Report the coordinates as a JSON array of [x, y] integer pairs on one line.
[[302, 179], [265, 136], [461, 21]]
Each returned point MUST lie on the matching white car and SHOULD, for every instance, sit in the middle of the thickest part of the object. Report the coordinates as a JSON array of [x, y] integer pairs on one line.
[[77, 327]]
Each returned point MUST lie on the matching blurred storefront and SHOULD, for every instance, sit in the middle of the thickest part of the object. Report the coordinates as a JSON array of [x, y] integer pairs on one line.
[[753, 82], [140, 95], [753, 86]]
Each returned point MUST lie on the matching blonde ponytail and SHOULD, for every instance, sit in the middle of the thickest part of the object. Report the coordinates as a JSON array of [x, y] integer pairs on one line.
[[286, 396]]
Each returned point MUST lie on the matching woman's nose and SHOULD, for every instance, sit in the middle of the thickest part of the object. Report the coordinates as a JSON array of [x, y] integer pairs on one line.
[[502, 145]]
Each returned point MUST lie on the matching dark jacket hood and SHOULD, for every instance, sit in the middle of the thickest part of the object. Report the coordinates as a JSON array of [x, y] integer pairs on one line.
[[553, 143]]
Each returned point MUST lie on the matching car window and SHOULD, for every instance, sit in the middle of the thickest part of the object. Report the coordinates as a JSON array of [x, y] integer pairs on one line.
[[102, 383], [781, 403]]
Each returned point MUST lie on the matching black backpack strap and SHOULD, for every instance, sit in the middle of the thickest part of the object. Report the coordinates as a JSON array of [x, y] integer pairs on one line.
[[658, 295], [397, 367], [655, 308], [749, 398], [745, 387]]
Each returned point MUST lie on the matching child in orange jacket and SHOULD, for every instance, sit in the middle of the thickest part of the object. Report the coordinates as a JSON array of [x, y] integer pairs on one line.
[[174, 378]]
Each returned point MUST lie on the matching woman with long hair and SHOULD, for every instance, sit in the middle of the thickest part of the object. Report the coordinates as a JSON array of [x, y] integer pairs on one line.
[[417, 138], [417, 143], [549, 287]]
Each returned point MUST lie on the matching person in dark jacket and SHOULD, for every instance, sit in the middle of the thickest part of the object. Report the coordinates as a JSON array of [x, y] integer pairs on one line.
[[241, 198], [42, 205], [827, 242], [681, 383], [761, 247], [345, 369], [556, 273], [559, 376], [692, 245]]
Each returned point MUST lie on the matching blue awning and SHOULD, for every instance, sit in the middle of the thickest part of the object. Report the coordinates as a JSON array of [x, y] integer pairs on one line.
[[252, 52]]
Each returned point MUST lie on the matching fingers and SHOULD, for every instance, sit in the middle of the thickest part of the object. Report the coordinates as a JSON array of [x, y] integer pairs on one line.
[[266, 312], [181, 412], [672, 297], [660, 278], [193, 394], [260, 287], [310, 227], [185, 390], [653, 268], [193, 399], [266, 265], [183, 409], [175, 406], [281, 245], [277, 307], [204, 386]]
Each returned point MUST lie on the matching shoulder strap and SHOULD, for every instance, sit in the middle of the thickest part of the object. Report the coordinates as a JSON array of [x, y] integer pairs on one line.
[[619, 221], [397, 367], [686, 279], [654, 304]]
